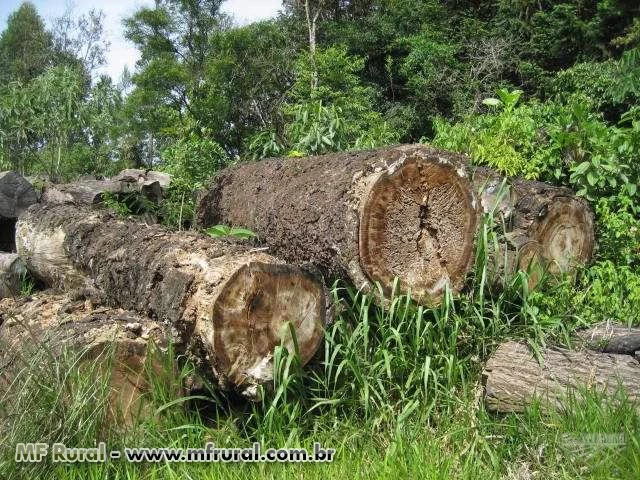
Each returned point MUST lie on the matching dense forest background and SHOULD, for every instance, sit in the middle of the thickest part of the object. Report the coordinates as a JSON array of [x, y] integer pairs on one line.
[[545, 90]]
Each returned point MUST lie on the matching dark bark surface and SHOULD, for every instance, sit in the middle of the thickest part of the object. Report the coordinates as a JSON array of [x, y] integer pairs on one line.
[[514, 378], [228, 302], [16, 194], [405, 212]]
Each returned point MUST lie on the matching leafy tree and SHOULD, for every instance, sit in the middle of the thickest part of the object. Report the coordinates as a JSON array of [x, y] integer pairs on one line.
[[328, 109], [247, 75], [26, 48], [174, 37], [80, 40]]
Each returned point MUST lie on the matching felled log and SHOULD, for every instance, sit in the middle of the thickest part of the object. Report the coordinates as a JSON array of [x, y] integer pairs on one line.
[[404, 212], [37, 331], [611, 337], [92, 191], [233, 305], [16, 195], [12, 269], [514, 378], [545, 224], [144, 177]]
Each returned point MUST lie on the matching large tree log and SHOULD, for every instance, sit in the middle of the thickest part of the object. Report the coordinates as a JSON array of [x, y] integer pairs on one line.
[[514, 378], [44, 327], [612, 337], [233, 305], [545, 224], [12, 269], [91, 191], [16, 195], [405, 212]]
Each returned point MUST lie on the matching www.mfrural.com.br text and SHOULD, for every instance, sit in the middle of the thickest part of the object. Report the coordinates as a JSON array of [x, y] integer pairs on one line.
[[60, 453]]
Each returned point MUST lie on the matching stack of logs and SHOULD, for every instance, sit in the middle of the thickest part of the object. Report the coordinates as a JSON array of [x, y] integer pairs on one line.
[[405, 216]]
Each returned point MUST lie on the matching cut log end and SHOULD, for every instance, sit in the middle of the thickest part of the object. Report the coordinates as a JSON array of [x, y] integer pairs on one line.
[[418, 226], [255, 313], [566, 234]]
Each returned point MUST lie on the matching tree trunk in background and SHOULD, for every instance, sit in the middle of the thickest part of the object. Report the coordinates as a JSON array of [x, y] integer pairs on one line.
[[514, 378], [90, 191], [16, 195], [12, 268], [47, 325], [612, 338], [232, 305], [544, 223], [405, 212]]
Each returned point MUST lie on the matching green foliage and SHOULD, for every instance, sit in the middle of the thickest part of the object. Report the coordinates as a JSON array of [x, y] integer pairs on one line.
[[604, 291], [194, 159], [329, 109], [27, 285], [503, 140], [26, 48]]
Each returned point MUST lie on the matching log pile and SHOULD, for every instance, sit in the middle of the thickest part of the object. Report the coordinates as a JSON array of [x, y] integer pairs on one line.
[[405, 212], [515, 377], [405, 215]]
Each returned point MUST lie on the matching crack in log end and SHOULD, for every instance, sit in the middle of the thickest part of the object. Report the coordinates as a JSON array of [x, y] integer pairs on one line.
[[252, 317], [418, 225], [566, 234]]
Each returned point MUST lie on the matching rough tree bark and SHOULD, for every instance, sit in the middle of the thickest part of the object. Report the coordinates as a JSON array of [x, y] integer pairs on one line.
[[611, 337], [545, 224], [91, 191], [12, 268], [405, 212], [232, 305], [16, 195], [514, 378], [47, 325]]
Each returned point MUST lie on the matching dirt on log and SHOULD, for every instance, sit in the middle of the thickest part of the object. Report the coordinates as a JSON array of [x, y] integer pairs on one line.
[[12, 270], [514, 378], [232, 305], [47, 326], [90, 191], [544, 224], [404, 212], [16, 195]]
